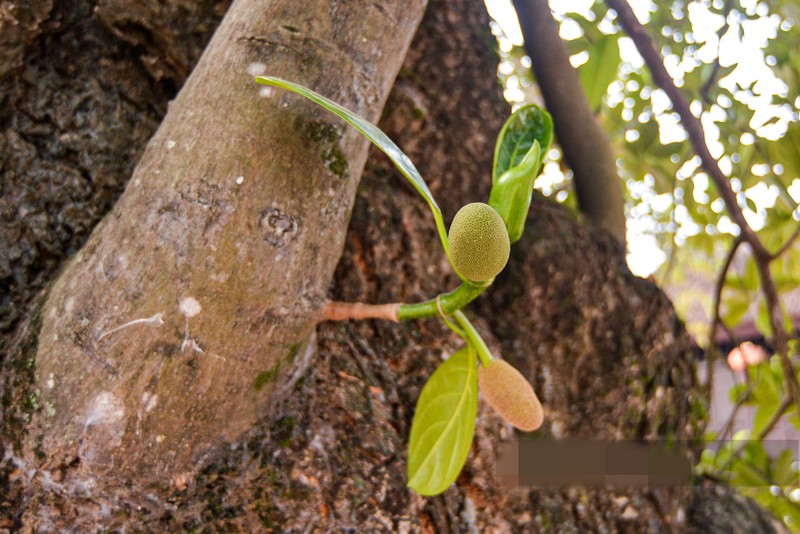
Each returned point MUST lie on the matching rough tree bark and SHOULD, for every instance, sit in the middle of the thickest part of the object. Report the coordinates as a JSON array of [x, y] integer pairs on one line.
[[604, 349], [161, 337]]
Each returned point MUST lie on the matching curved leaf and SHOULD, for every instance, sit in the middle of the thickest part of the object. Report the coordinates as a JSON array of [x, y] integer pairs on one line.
[[444, 424], [600, 70], [511, 193], [528, 124], [378, 138]]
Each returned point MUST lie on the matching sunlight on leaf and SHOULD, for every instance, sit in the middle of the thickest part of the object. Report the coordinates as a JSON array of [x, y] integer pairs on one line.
[[444, 423], [600, 70], [528, 124]]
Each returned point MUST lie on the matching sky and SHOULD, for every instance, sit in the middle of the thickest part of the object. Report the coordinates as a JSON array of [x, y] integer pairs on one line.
[[742, 43]]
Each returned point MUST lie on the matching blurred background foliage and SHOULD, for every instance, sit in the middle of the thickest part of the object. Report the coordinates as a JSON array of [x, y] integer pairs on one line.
[[738, 64]]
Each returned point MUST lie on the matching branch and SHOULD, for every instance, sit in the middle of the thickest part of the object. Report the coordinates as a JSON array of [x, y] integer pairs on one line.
[[690, 123], [694, 129], [786, 246], [716, 320], [442, 305], [342, 311], [718, 285], [585, 144], [769, 427]]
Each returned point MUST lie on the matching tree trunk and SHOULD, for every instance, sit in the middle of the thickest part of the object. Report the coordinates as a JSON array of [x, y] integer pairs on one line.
[[165, 334], [603, 348]]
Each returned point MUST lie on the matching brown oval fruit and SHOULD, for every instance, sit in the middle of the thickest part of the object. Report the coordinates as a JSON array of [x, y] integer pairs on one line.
[[479, 244], [511, 396]]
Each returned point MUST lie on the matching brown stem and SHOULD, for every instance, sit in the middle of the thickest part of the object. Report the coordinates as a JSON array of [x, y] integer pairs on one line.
[[779, 333], [342, 311], [776, 416], [716, 320], [718, 286]]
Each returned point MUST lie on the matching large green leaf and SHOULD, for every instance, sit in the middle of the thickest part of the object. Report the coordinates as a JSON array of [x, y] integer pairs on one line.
[[528, 124], [444, 424], [378, 138], [600, 69]]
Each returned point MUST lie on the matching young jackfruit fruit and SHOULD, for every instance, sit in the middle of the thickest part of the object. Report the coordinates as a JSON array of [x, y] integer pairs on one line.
[[510, 394], [479, 244]]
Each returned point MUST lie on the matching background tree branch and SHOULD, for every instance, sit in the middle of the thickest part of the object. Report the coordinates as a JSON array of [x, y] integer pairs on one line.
[[585, 144], [694, 129]]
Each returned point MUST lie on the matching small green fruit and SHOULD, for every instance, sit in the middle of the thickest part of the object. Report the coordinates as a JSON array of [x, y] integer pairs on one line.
[[479, 244]]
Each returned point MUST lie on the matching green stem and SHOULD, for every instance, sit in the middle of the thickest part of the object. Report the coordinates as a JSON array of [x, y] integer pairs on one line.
[[449, 302], [474, 338], [452, 326]]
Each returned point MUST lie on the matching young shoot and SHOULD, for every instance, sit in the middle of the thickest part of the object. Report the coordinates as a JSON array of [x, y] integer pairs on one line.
[[477, 247]]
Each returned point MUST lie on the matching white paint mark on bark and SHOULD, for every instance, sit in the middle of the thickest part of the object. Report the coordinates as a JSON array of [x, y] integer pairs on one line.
[[239, 180], [51, 382], [256, 69], [190, 343], [155, 320], [220, 277], [170, 144], [266, 92], [149, 400], [105, 409], [190, 307]]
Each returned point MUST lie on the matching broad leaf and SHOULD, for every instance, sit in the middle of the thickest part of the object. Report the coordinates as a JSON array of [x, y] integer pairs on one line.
[[528, 124], [600, 69], [378, 138], [444, 423]]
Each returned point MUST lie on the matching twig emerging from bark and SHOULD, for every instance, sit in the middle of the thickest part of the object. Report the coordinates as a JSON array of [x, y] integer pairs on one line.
[[342, 311]]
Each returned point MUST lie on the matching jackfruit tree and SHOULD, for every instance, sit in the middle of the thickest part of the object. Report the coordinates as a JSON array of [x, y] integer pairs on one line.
[[164, 366]]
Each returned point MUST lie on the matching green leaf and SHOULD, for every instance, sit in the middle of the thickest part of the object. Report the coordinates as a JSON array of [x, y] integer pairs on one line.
[[782, 472], [444, 423], [762, 322], [600, 69], [378, 138], [528, 124], [736, 307], [518, 157], [511, 193]]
